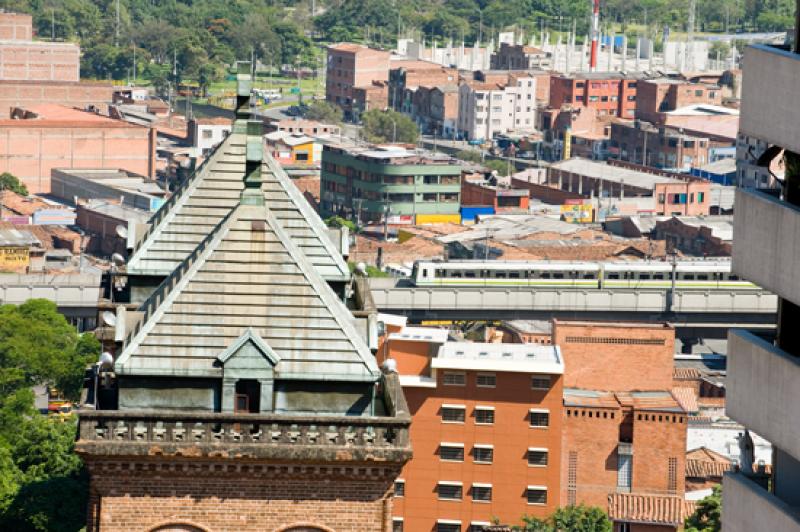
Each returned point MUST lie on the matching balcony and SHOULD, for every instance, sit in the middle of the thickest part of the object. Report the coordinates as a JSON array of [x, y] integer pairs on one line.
[[769, 107], [747, 507], [767, 242], [367, 440], [762, 390]]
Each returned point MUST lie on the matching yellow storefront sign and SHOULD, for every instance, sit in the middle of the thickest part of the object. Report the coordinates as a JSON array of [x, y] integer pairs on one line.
[[14, 258], [438, 219], [577, 214]]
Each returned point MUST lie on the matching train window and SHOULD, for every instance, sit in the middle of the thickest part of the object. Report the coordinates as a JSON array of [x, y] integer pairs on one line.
[[588, 276], [688, 277], [558, 275], [544, 275], [658, 276], [644, 276], [613, 276], [440, 273], [513, 275], [457, 275], [702, 277], [500, 275], [733, 277], [471, 275]]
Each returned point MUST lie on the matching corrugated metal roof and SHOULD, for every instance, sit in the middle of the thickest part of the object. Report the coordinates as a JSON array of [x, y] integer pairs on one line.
[[211, 193], [247, 275], [17, 238]]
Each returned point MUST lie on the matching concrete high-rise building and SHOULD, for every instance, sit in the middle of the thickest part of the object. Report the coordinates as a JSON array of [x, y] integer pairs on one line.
[[763, 383]]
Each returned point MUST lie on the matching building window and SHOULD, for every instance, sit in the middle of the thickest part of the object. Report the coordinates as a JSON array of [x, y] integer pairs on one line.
[[443, 525], [478, 526], [450, 491], [701, 197], [672, 478], [537, 457], [482, 492], [540, 418], [454, 379], [540, 382], [624, 471], [451, 452], [399, 488], [397, 524], [483, 454], [207, 134], [486, 380], [453, 413], [623, 527], [484, 415], [661, 199], [536, 495]]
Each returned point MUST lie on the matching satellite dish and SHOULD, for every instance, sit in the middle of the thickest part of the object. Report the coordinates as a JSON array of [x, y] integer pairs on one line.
[[106, 360], [118, 259], [361, 268], [122, 231], [109, 318]]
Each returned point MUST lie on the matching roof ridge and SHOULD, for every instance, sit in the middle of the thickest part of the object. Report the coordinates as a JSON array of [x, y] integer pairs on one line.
[[338, 366]]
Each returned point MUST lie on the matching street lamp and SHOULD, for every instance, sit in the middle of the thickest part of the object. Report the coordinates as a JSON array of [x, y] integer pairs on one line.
[[394, 128]]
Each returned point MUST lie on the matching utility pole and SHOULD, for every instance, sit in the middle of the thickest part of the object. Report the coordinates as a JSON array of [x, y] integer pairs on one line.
[[116, 28], [134, 63], [690, 37], [52, 24], [595, 34]]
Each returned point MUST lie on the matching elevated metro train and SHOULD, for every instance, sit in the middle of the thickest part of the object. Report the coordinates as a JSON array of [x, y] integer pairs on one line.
[[698, 274]]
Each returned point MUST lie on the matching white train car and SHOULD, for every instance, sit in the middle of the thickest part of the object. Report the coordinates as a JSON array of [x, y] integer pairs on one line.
[[700, 274]]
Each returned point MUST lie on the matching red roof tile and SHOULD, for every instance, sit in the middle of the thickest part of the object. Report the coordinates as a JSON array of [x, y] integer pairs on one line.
[[687, 398], [654, 509]]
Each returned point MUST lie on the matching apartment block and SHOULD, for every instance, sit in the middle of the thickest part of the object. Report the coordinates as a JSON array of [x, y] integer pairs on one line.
[[763, 382], [353, 65], [443, 118], [367, 184], [517, 57], [654, 97], [611, 93], [661, 146], [488, 108], [486, 430], [624, 429], [406, 76]]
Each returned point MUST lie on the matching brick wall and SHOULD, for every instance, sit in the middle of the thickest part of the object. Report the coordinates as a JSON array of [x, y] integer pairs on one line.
[[16, 27], [40, 61], [211, 497], [659, 439], [27, 94], [544, 193], [30, 152], [634, 356]]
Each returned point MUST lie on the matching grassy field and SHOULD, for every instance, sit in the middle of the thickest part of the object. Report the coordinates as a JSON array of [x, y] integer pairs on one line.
[[309, 87]]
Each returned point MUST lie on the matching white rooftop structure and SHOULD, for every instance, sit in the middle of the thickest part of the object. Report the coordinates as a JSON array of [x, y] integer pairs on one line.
[[514, 358], [703, 109], [421, 334]]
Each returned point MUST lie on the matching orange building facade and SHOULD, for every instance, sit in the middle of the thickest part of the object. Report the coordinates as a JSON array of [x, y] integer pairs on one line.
[[486, 430]]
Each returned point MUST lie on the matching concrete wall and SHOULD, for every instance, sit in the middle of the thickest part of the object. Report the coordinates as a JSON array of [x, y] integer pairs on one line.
[[767, 233], [762, 389], [768, 111], [748, 507], [174, 394]]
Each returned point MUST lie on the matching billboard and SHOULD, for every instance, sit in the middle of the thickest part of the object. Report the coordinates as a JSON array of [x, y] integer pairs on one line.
[[577, 214]]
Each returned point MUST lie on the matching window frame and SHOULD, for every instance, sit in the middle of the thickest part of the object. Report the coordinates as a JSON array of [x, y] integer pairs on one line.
[[538, 411], [538, 450], [483, 408], [481, 486], [451, 484], [447, 406], [534, 378], [529, 489], [482, 447], [450, 445], [454, 373], [484, 375]]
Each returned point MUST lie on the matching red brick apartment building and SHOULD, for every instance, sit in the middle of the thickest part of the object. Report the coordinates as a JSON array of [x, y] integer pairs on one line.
[[486, 430], [611, 93], [654, 97], [43, 137], [504, 199], [624, 431], [353, 65]]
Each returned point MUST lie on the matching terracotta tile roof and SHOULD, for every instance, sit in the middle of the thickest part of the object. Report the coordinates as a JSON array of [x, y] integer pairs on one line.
[[653, 509], [686, 373], [589, 398], [687, 398], [705, 463], [21, 205]]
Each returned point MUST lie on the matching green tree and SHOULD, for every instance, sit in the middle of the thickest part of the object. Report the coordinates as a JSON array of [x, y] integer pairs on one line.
[[388, 126], [338, 221], [707, 516], [324, 112], [12, 183], [471, 156], [501, 167], [570, 519]]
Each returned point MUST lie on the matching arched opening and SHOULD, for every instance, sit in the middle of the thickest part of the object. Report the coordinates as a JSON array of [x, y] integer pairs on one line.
[[178, 527]]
